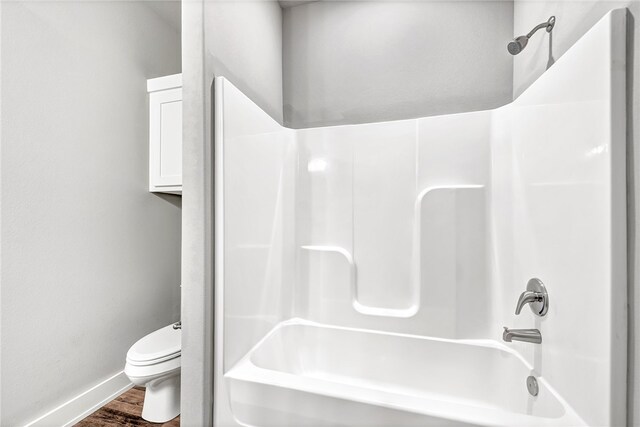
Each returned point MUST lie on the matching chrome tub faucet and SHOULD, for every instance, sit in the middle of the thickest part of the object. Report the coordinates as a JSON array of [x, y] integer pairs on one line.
[[524, 335], [538, 299]]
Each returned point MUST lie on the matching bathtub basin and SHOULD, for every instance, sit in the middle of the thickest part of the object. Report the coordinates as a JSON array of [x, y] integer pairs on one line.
[[304, 373]]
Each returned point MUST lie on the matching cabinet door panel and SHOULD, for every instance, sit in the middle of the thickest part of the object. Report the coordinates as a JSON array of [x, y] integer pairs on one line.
[[165, 133]]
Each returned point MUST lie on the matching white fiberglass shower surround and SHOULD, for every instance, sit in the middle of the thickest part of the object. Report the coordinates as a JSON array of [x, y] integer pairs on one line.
[[364, 273]]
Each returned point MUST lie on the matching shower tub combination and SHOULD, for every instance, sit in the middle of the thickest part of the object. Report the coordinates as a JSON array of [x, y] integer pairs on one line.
[[364, 273]]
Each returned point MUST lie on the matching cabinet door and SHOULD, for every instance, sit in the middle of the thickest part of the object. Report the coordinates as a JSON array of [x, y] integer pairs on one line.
[[165, 141]]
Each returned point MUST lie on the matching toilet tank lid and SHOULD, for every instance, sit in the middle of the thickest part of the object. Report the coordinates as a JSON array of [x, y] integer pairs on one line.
[[157, 345]]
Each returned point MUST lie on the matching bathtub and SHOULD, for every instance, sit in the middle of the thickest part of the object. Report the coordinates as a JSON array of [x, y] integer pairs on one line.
[[305, 373]]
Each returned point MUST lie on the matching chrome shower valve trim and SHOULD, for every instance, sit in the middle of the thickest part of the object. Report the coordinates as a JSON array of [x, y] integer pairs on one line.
[[536, 296]]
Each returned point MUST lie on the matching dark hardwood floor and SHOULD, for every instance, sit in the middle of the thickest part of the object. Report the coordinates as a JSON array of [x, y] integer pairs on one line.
[[124, 410]]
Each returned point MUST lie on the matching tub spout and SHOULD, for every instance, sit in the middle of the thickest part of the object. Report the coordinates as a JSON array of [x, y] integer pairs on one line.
[[524, 335]]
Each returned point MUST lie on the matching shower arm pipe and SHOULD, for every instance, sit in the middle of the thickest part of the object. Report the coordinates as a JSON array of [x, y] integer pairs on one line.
[[548, 25]]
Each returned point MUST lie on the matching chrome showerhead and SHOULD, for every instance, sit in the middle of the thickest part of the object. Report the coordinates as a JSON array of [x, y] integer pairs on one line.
[[516, 46], [519, 43]]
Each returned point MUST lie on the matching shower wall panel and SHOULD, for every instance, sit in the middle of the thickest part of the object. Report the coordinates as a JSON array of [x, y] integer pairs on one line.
[[364, 193], [384, 191], [259, 176], [558, 208]]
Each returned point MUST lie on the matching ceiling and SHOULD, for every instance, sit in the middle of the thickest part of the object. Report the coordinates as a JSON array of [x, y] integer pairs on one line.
[[169, 10], [290, 3]]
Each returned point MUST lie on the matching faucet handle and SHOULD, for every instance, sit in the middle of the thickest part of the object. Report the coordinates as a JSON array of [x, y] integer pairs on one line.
[[528, 297], [536, 296]]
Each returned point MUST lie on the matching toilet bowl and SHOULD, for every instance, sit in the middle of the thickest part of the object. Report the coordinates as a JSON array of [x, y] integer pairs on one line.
[[154, 362]]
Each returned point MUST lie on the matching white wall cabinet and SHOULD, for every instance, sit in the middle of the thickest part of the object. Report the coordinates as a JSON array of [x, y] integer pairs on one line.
[[165, 134]]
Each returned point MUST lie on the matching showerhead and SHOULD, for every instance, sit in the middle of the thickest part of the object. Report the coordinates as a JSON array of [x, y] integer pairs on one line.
[[519, 43], [516, 46]]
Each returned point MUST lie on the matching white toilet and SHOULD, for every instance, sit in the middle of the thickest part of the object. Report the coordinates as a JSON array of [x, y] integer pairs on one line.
[[154, 362]]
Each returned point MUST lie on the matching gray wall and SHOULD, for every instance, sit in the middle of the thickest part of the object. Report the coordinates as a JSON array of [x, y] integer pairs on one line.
[[197, 225], [574, 18], [243, 42], [90, 259], [364, 61]]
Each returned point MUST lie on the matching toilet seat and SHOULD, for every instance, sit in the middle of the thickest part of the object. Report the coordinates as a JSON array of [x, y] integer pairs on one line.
[[140, 374], [157, 347]]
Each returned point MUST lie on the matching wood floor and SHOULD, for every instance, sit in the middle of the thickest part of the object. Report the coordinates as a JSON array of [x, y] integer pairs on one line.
[[124, 410]]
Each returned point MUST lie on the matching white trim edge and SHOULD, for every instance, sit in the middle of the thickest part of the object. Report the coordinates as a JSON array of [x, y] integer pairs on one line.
[[85, 403], [165, 82]]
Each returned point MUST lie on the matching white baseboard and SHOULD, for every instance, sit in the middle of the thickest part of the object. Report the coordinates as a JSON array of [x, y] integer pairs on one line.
[[85, 403]]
